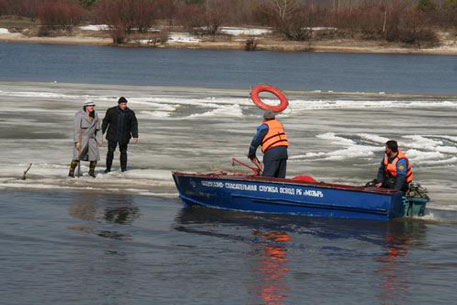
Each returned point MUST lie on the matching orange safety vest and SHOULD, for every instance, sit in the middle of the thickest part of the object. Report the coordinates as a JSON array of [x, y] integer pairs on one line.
[[276, 135], [391, 168]]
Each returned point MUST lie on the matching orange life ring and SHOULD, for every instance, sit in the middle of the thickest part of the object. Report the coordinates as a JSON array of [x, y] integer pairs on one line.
[[275, 91]]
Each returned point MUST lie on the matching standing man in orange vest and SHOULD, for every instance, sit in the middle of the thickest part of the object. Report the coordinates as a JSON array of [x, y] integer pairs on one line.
[[273, 140], [395, 170]]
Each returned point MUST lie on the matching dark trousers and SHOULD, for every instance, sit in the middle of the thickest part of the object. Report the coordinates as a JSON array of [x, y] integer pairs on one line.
[[110, 155], [391, 183], [275, 168]]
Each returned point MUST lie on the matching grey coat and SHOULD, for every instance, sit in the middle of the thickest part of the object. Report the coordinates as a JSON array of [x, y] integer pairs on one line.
[[87, 132]]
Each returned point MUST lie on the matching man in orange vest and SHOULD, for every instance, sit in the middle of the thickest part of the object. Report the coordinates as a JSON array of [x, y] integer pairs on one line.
[[395, 170], [273, 140]]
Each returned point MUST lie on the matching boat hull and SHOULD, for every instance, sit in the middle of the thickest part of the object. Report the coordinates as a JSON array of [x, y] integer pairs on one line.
[[286, 196]]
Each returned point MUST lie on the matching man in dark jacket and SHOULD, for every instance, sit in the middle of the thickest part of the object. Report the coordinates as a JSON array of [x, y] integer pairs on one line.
[[122, 125], [272, 138]]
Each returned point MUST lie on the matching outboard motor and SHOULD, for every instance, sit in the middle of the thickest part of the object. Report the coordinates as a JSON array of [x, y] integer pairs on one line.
[[415, 200]]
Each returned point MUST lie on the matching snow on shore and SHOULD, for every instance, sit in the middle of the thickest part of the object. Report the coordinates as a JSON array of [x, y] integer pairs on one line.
[[229, 30], [236, 31], [94, 27], [183, 38]]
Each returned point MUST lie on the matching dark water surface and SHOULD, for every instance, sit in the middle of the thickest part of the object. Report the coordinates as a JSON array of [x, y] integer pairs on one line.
[[89, 247], [60, 247], [229, 69]]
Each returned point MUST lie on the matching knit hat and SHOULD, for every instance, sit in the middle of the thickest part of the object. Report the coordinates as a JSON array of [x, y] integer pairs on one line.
[[122, 100], [89, 103], [269, 115]]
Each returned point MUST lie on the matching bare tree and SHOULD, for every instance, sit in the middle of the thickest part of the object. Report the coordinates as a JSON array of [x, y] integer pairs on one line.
[[191, 17], [3, 7], [25, 8], [215, 15], [292, 18], [203, 18], [111, 13], [125, 16], [142, 14], [167, 10], [59, 14]]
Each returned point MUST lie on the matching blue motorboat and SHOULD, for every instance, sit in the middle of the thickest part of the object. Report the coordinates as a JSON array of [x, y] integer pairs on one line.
[[295, 196]]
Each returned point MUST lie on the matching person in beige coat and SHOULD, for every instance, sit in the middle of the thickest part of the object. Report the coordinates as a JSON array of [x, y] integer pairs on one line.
[[87, 138]]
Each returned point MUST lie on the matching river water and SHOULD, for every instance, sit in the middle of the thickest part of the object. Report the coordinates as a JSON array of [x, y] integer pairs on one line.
[[125, 237]]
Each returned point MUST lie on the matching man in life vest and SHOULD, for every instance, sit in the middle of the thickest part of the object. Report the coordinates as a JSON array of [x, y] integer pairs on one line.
[[273, 140], [395, 170]]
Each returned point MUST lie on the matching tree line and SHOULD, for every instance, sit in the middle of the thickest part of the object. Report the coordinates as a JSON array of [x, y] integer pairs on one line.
[[406, 21]]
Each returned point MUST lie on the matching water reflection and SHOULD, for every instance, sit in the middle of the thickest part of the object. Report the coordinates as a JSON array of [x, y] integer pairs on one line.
[[121, 215], [382, 247], [102, 265], [272, 266], [393, 270], [99, 210]]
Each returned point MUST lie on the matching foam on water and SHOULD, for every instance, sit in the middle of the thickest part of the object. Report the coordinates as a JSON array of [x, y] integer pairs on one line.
[[334, 139], [356, 151], [310, 155], [302, 105], [49, 95], [221, 111], [422, 142], [373, 138], [437, 163], [156, 114], [419, 149], [417, 155]]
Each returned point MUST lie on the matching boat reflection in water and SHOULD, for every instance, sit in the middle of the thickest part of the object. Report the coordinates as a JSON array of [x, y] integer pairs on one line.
[[292, 259], [394, 262], [273, 267]]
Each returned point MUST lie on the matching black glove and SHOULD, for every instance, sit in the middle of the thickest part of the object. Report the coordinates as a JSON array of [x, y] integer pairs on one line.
[[252, 156]]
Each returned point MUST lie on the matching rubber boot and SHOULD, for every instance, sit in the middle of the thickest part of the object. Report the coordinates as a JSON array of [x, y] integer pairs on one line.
[[92, 166], [73, 165]]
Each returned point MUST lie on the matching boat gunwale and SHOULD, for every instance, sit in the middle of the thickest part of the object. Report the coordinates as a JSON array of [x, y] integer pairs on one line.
[[253, 178]]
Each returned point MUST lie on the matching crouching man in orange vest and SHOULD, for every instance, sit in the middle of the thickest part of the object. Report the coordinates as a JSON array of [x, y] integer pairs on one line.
[[273, 140], [395, 170]]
